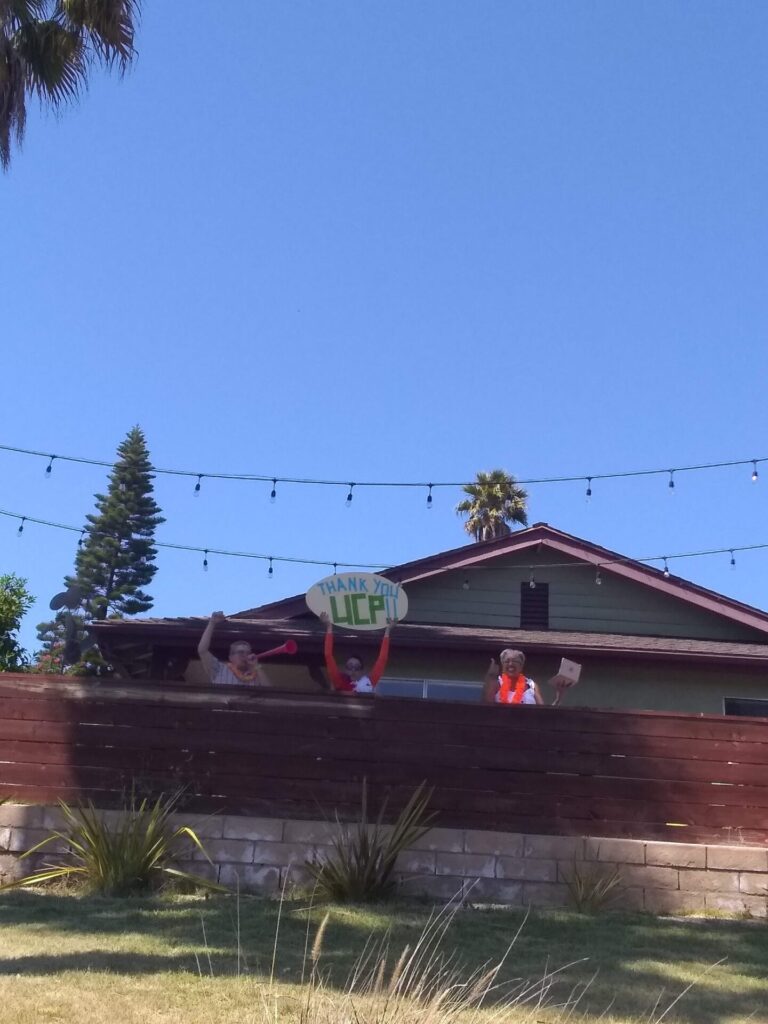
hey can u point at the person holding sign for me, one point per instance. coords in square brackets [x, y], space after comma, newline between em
[242, 668]
[510, 686]
[355, 679]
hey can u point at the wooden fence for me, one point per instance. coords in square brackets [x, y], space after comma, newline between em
[536, 770]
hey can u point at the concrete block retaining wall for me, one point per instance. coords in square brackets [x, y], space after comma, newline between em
[266, 854]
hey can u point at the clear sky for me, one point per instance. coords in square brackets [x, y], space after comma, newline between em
[406, 239]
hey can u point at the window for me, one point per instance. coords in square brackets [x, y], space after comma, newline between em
[534, 606]
[745, 706]
[470, 691]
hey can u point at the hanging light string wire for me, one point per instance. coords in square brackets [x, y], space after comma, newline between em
[274, 480]
[335, 564]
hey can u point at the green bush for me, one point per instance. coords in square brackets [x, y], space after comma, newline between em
[592, 887]
[360, 868]
[132, 856]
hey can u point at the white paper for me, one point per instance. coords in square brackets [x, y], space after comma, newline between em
[570, 670]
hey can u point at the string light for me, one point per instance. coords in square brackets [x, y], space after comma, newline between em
[205, 560]
[335, 569]
[386, 567]
[671, 484]
[666, 570]
[21, 526]
[598, 577]
[733, 560]
[271, 571]
[624, 474]
[532, 581]
[589, 488]
[81, 539]
[198, 485]
[429, 498]
[350, 496]
[754, 471]
[273, 492]
[49, 468]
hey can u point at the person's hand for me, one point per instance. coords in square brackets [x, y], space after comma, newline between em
[253, 660]
[217, 616]
[326, 621]
[494, 668]
[390, 624]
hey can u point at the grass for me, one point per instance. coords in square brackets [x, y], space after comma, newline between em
[110, 961]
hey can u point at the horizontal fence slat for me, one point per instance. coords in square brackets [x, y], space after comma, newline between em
[558, 771]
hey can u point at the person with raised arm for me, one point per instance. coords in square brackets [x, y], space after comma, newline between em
[506, 684]
[241, 669]
[355, 679]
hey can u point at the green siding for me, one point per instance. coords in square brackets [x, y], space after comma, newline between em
[576, 602]
[605, 683]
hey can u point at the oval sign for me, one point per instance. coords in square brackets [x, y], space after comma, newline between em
[358, 600]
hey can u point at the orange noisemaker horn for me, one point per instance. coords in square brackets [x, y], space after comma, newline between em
[289, 647]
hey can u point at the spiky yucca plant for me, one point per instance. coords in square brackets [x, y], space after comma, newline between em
[592, 887]
[132, 856]
[361, 867]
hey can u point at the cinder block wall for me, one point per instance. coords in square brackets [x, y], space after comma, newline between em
[265, 855]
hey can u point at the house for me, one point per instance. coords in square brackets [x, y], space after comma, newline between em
[646, 639]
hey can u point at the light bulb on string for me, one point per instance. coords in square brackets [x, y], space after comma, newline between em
[429, 498]
[666, 570]
[588, 495]
[196, 492]
[81, 538]
[671, 484]
[532, 581]
[335, 569]
[270, 571]
[20, 530]
[49, 468]
[205, 560]
[733, 561]
[754, 471]
[273, 492]
[598, 577]
[348, 503]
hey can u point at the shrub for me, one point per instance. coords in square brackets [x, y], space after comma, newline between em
[592, 887]
[361, 866]
[133, 855]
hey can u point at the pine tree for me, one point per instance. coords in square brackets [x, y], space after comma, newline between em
[115, 560]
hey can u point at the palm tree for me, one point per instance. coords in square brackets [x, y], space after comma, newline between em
[494, 501]
[47, 47]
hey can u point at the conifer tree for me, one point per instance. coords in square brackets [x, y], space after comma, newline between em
[115, 560]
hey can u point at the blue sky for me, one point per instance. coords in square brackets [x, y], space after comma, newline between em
[396, 240]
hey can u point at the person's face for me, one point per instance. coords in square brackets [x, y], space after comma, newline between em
[354, 668]
[239, 655]
[512, 666]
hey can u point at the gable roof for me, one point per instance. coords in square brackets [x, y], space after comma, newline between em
[543, 536]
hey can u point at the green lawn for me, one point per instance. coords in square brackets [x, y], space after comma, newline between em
[109, 961]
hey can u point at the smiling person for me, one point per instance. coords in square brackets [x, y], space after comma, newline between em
[242, 668]
[509, 685]
[354, 679]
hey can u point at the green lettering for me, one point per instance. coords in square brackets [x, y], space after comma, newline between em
[375, 605]
[336, 616]
[355, 600]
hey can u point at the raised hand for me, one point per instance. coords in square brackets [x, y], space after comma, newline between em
[494, 668]
[217, 616]
[326, 620]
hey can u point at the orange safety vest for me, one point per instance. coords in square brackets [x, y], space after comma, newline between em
[512, 689]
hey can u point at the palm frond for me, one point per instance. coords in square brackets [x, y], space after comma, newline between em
[109, 24]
